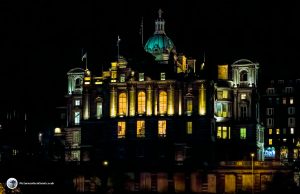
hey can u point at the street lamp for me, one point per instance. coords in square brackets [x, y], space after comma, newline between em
[252, 156]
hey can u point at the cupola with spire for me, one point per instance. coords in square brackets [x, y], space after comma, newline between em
[160, 45]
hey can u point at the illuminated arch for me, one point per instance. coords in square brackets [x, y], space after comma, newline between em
[162, 102]
[122, 103]
[141, 102]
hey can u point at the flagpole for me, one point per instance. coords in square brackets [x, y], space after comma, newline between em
[118, 47]
[86, 62]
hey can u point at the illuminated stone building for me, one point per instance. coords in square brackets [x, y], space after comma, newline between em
[166, 127]
[280, 111]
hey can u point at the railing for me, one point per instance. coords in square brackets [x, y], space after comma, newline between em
[248, 163]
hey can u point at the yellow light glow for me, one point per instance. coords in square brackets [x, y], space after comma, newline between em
[57, 130]
[98, 82]
[202, 99]
[223, 72]
[105, 163]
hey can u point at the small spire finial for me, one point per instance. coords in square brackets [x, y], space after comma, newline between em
[159, 13]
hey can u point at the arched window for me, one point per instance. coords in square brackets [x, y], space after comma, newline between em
[243, 76]
[78, 83]
[122, 103]
[162, 102]
[141, 102]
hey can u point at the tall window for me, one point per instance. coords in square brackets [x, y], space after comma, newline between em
[189, 127]
[291, 100]
[225, 94]
[78, 83]
[141, 102]
[243, 96]
[270, 122]
[98, 109]
[291, 122]
[270, 131]
[291, 110]
[243, 133]
[292, 130]
[277, 131]
[189, 106]
[243, 76]
[76, 137]
[270, 111]
[284, 100]
[121, 129]
[77, 102]
[222, 109]
[270, 141]
[77, 118]
[243, 111]
[140, 128]
[223, 132]
[162, 102]
[122, 103]
[162, 127]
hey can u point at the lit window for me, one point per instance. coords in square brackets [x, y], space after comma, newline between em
[113, 74]
[292, 130]
[121, 129]
[141, 77]
[99, 110]
[14, 152]
[189, 106]
[57, 130]
[163, 102]
[189, 127]
[225, 94]
[76, 137]
[270, 131]
[77, 118]
[270, 141]
[283, 100]
[75, 155]
[243, 133]
[222, 109]
[162, 127]
[222, 133]
[140, 128]
[122, 78]
[162, 76]
[243, 96]
[122, 103]
[77, 102]
[284, 140]
[141, 102]
[277, 131]
[291, 100]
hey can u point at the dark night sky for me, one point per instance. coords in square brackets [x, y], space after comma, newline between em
[42, 40]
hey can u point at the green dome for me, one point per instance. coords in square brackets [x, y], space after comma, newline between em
[159, 43]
